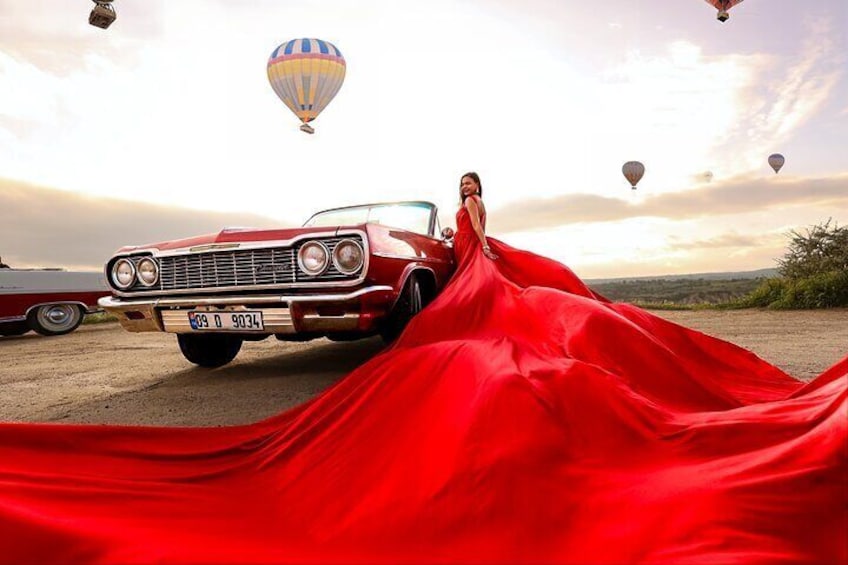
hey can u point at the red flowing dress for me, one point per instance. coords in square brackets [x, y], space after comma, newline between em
[520, 418]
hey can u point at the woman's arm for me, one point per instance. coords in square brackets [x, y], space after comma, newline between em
[474, 215]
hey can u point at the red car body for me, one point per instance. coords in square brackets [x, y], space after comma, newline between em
[48, 301]
[216, 291]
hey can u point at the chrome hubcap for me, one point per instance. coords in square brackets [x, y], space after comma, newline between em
[57, 317]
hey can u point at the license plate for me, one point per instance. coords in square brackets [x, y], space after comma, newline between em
[239, 321]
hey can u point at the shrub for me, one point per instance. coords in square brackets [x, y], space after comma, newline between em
[814, 272]
[823, 249]
[823, 290]
[769, 292]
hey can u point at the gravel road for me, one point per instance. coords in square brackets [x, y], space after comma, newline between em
[102, 374]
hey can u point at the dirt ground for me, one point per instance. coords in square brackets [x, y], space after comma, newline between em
[102, 374]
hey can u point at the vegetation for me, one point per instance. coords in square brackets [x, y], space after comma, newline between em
[99, 318]
[813, 273]
[678, 293]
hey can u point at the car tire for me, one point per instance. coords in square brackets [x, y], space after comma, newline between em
[346, 336]
[14, 328]
[209, 351]
[55, 319]
[409, 303]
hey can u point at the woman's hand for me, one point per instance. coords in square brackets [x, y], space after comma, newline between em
[488, 253]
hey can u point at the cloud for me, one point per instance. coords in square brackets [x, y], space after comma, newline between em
[788, 92]
[808, 83]
[710, 260]
[730, 240]
[55, 36]
[717, 199]
[42, 227]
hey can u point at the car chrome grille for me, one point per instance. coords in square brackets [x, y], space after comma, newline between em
[227, 268]
[240, 268]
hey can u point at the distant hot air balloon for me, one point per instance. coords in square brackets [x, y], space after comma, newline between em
[776, 161]
[723, 6]
[306, 74]
[708, 176]
[633, 171]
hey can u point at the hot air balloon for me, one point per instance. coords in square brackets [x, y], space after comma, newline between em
[306, 74]
[776, 161]
[633, 171]
[723, 6]
[708, 176]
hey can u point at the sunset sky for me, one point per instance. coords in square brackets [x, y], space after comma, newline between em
[165, 125]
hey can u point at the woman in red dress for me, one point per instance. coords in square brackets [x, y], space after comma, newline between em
[473, 212]
[520, 418]
[520, 267]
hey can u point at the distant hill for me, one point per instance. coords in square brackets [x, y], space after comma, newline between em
[689, 289]
[729, 275]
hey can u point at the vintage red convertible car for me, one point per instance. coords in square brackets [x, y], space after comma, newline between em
[347, 273]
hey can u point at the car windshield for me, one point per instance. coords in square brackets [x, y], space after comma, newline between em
[411, 216]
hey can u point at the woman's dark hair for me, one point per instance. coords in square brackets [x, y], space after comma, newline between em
[476, 178]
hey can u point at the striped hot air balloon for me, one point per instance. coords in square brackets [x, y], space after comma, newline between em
[306, 74]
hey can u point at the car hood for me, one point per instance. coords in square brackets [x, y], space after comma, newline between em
[238, 235]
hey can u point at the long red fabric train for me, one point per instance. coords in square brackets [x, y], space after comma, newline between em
[520, 418]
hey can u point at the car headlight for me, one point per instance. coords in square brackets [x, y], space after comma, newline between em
[148, 271]
[313, 258]
[348, 256]
[123, 273]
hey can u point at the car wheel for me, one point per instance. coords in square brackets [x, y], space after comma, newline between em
[55, 319]
[409, 303]
[14, 328]
[209, 351]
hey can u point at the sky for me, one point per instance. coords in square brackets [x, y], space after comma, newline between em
[165, 125]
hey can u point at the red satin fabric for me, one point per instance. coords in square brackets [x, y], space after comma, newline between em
[520, 419]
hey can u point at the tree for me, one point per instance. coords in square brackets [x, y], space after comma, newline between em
[814, 271]
[822, 249]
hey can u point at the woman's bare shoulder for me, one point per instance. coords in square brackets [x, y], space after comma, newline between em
[478, 200]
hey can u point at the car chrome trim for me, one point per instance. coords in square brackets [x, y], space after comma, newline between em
[276, 244]
[345, 316]
[240, 246]
[213, 247]
[12, 319]
[109, 302]
[317, 323]
[409, 257]
[161, 314]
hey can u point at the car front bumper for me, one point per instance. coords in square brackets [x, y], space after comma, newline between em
[356, 311]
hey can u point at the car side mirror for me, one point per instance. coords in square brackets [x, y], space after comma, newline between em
[447, 234]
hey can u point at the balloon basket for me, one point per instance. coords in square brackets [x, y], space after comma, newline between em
[306, 128]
